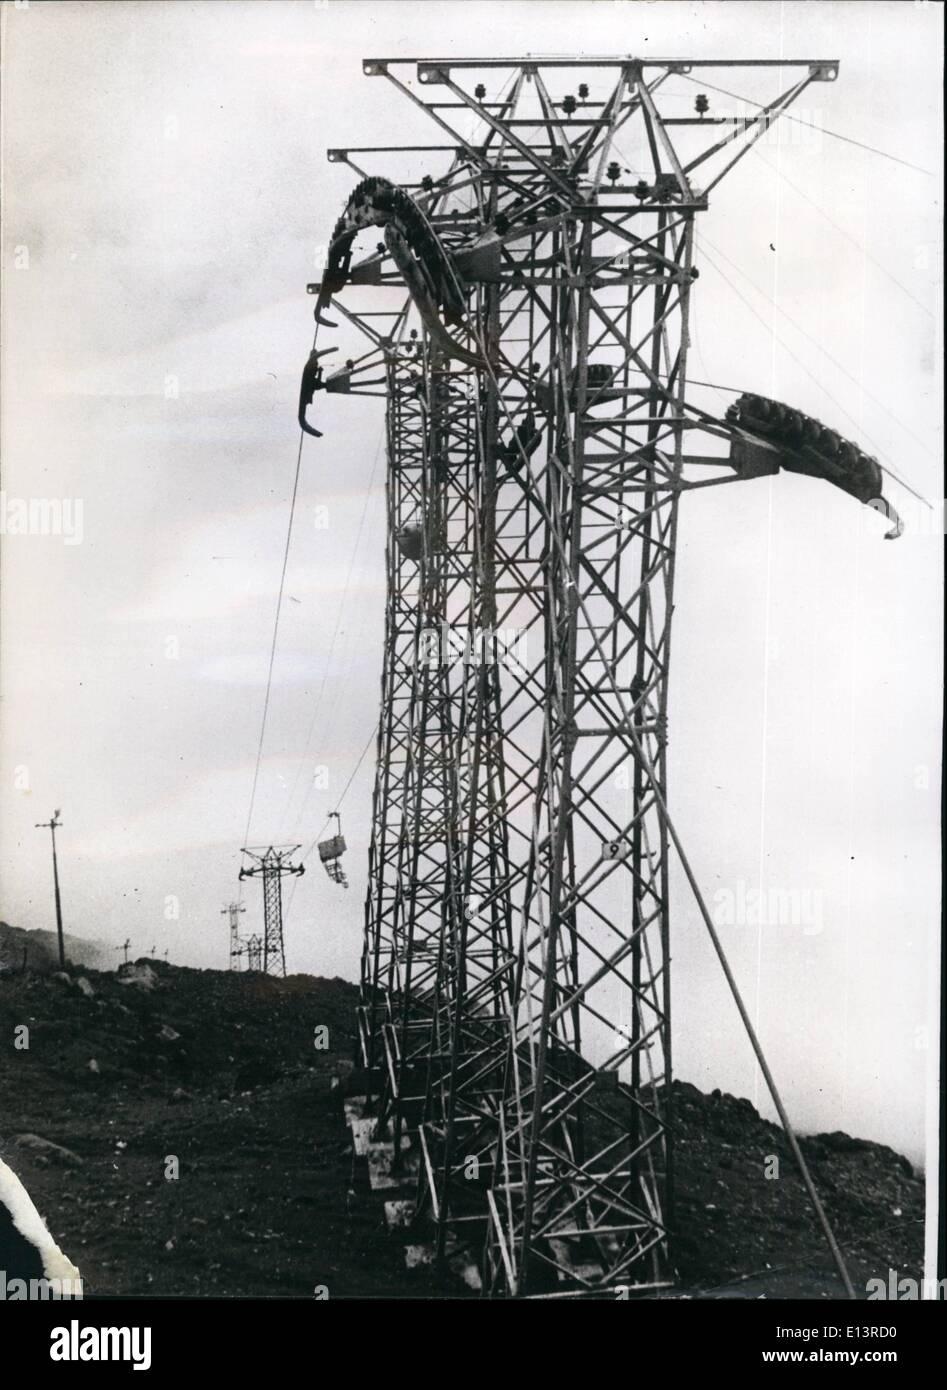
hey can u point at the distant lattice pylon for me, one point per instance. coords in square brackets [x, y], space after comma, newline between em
[232, 911]
[272, 865]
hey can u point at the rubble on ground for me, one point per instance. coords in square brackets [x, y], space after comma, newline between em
[218, 1071]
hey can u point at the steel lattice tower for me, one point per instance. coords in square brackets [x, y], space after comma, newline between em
[232, 911]
[272, 865]
[515, 995]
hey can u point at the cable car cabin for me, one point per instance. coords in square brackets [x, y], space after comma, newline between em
[801, 444]
[330, 852]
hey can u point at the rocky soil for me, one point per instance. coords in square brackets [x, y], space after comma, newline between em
[180, 1131]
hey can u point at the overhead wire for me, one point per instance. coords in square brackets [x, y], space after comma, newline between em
[292, 893]
[799, 120]
[338, 623]
[272, 660]
[889, 468]
[755, 150]
[886, 468]
[815, 342]
[361, 758]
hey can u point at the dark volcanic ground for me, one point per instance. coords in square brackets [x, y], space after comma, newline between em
[220, 1072]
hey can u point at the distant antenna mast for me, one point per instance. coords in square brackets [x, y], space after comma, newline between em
[52, 825]
[271, 866]
[233, 910]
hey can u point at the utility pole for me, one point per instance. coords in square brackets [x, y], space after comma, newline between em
[124, 947]
[254, 952]
[232, 910]
[271, 865]
[52, 826]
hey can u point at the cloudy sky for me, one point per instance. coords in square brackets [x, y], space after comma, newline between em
[166, 196]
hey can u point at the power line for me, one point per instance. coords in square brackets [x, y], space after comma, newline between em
[799, 362]
[338, 623]
[279, 605]
[754, 149]
[361, 758]
[371, 739]
[889, 469]
[815, 342]
[798, 120]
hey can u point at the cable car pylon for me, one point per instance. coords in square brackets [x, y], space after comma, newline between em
[515, 1013]
[272, 865]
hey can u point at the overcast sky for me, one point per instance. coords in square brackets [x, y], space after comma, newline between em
[166, 191]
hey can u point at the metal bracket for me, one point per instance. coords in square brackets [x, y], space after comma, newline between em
[310, 384]
[432, 74]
